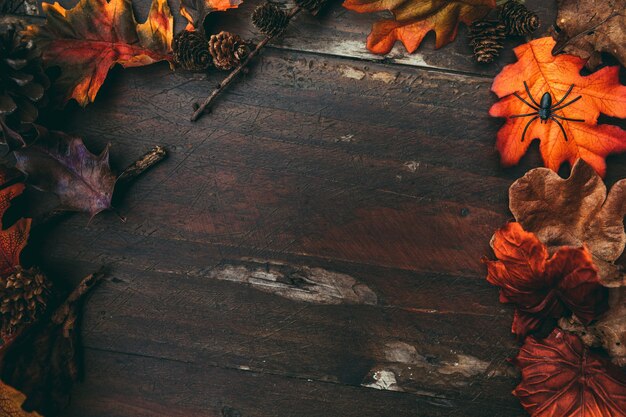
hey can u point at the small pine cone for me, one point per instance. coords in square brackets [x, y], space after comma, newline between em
[312, 6]
[227, 50]
[191, 51]
[486, 38]
[23, 298]
[270, 19]
[23, 82]
[518, 19]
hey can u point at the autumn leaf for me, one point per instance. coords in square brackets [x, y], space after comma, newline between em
[575, 211]
[609, 331]
[195, 11]
[589, 27]
[11, 401]
[93, 36]
[13, 238]
[600, 92]
[560, 377]
[61, 164]
[542, 286]
[415, 18]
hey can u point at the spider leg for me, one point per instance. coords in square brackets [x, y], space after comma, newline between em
[555, 108]
[561, 126]
[565, 96]
[525, 102]
[569, 119]
[528, 125]
[530, 95]
[522, 115]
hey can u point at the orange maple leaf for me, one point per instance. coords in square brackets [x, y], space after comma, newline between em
[93, 36]
[600, 92]
[11, 401]
[14, 238]
[415, 18]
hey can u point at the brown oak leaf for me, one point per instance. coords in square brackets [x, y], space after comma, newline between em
[12, 238]
[415, 18]
[574, 211]
[561, 377]
[90, 38]
[11, 401]
[543, 286]
[590, 27]
[61, 164]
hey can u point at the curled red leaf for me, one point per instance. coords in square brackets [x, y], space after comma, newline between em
[543, 286]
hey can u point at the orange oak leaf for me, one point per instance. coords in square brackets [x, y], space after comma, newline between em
[195, 11]
[600, 92]
[415, 18]
[14, 238]
[561, 377]
[11, 401]
[543, 286]
[93, 36]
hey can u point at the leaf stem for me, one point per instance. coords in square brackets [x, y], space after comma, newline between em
[201, 109]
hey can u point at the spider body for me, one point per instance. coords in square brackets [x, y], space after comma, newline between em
[545, 110]
[545, 104]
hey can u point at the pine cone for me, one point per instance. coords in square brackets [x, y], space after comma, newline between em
[518, 19]
[23, 297]
[486, 38]
[270, 19]
[191, 51]
[23, 82]
[312, 6]
[227, 50]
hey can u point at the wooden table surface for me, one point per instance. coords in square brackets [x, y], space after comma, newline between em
[312, 247]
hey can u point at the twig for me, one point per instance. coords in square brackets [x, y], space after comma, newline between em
[201, 109]
[133, 171]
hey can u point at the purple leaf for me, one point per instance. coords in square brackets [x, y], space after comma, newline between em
[61, 164]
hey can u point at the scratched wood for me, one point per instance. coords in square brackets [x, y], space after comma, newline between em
[311, 248]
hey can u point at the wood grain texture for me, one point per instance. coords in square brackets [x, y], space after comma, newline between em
[311, 248]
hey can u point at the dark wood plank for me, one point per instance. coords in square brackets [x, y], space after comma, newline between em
[312, 247]
[124, 385]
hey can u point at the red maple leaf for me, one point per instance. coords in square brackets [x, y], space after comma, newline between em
[561, 377]
[542, 286]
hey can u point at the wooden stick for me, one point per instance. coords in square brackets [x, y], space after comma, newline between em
[201, 109]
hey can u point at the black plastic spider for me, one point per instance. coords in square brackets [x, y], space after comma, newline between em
[545, 110]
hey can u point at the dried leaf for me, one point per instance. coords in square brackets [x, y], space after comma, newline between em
[415, 18]
[560, 377]
[609, 331]
[93, 36]
[590, 27]
[195, 11]
[11, 401]
[574, 211]
[45, 364]
[601, 92]
[542, 286]
[63, 165]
